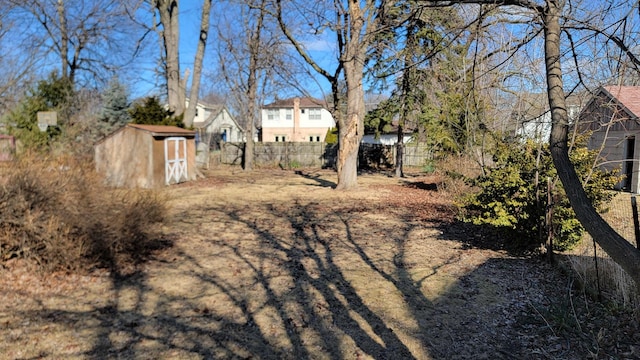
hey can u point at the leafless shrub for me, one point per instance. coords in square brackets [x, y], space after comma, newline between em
[455, 170]
[57, 214]
[606, 279]
[596, 272]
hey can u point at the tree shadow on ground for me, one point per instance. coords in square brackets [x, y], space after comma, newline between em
[298, 281]
[488, 237]
[317, 178]
[471, 235]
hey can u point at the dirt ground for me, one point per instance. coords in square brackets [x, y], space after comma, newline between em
[276, 264]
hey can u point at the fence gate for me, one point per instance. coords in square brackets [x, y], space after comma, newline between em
[175, 160]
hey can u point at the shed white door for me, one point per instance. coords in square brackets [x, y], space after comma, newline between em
[175, 160]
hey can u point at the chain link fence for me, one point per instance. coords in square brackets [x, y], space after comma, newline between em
[596, 271]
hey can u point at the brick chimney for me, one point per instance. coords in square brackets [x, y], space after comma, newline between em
[296, 119]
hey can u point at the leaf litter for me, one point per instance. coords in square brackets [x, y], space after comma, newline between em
[275, 264]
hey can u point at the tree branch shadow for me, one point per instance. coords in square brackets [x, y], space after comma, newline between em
[289, 287]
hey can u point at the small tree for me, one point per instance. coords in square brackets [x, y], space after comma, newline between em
[115, 107]
[151, 112]
[54, 94]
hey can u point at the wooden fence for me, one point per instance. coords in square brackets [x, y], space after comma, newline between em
[296, 154]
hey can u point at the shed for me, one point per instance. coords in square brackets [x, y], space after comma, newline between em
[613, 118]
[146, 156]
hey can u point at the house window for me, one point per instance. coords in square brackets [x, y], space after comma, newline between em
[315, 114]
[288, 114]
[318, 138]
[280, 138]
[272, 114]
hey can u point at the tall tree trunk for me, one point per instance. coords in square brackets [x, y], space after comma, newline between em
[351, 127]
[190, 112]
[249, 144]
[255, 47]
[619, 249]
[168, 10]
[252, 95]
[64, 39]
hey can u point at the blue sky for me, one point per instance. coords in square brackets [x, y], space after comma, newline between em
[322, 48]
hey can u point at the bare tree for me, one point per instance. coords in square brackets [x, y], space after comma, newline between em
[354, 24]
[255, 64]
[169, 20]
[18, 63]
[190, 112]
[91, 39]
[245, 54]
[176, 84]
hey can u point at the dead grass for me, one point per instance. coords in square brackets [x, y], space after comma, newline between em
[454, 170]
[56, 214]
[600, 276]
[277, 265]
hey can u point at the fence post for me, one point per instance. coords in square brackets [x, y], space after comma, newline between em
[549, 219]
[636, 223]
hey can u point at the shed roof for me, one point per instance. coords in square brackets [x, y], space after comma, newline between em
[163, 130]
[628, 96]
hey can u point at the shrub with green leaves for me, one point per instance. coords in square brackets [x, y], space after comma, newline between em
[53, 94]
[151, 112]
[332, 136]
[512, 194]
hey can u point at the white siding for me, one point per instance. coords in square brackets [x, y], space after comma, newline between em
[385, 139]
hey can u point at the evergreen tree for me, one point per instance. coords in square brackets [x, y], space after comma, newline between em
[53, 94]
[151, 112]
[417, 51]
[115, 107]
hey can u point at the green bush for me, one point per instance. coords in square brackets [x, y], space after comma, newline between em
[53, 94]
[512, 194]
[151, 112]
[429, 167]
[332, 136]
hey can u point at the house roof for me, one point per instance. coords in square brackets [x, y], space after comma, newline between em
[163, 130]
[215, 108]
[208, 105]
[215, 111]
[627, 96]
[529, 106]
[305, 102]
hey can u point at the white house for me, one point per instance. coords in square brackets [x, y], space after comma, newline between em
[533, 118]
[389, 135]
[386, 139]
[214, 124]
[296, 120]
